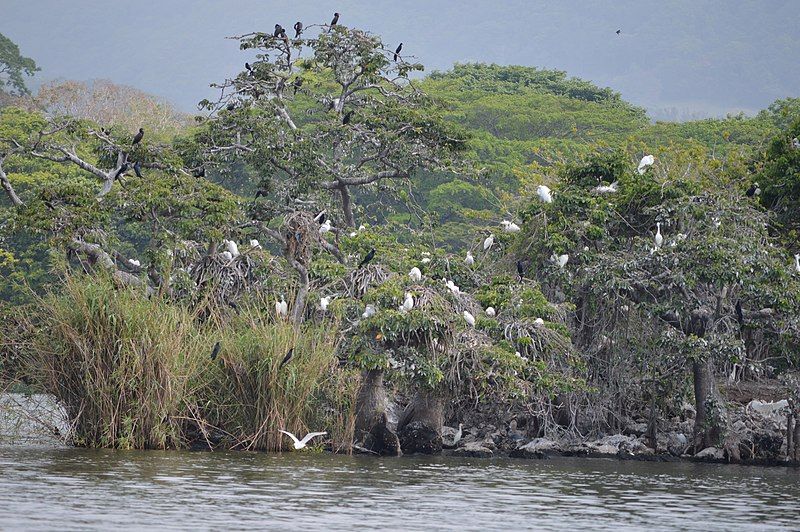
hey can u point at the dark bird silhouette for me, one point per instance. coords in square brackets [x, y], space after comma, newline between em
[298, 82]
[347, 117]
[619, 32]
[754, 190]
[397, 51]
[739, 313]
[298, 29]
[366, 260]
[231, 106]
[122, 170]
[278, 30]
[199, 172]
[139, 136]
[335, 20]
[260, 193]
[215, 351]
[321, 217]
[137, 167]
[520, 269]
[287, 358]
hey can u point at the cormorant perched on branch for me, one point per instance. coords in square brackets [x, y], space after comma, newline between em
[366, 260]
[347, 117]
[215, 351]
[754, 190]
[138, 138]
[298, 82]
[287, 358]
[137, 167]
[122, 170]
[520, 269]
[298, 29]
[278, 30]
[335, 19]
[397, 51]
[199, 172]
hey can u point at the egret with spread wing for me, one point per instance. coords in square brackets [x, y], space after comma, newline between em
[299, 444]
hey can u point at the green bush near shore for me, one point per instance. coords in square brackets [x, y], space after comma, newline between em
[136, 373]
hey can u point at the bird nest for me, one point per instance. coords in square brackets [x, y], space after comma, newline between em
[535, 340]
[223, 280]
[301, 233]
[360, 280]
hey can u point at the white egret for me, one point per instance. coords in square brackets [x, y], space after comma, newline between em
[544, 193]
[646, 161]
[254, 244]
[415, 274]
[324, 302]
[408, 303]
[325, 227]
[796, 143]
[659, 239]
[458, 434]
[797, 263]
[368, 312]
[453, 287]
[299, 444]
[488, 242]
[232, 248]
[607, 189]
[282, 308]
[136, 262]
[352, 234]
[425, 260]
[538, 322]
[226, 255]
[560, 260]
[362, 227]
[490, 312]
[470, 260]
[510, 227]
[470, 318]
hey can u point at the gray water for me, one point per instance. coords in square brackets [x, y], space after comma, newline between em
[80, 489]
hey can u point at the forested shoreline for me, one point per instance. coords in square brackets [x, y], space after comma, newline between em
[491, 259]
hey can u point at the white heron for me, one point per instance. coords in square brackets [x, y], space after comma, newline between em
[659, 239]
[254, 244]
[796, 143]
[324, 302]
[282, 308]
[560, 260]
[646, 161]
[607, 189]
[797, 263]
[458, 434]
[510, 227]
[232, 248]
[544, 193]
[299, 444]
[488, 242]
[415, 274]
[452, 286]
[136, 262]
[425, 260]
[362, 227]
[490, 312]
[368, 312]
[408, 303]
[325, 227]
[470, 260]
[538, 322]
[469, 318]
[226, 255]
[352, 234]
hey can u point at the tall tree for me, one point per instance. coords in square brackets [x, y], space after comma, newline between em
[13, 66]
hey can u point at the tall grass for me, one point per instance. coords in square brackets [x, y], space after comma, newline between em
[134, 372]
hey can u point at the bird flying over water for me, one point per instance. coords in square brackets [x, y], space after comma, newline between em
[138, 137]
[366, 260]
[397, 51]
[299, 444]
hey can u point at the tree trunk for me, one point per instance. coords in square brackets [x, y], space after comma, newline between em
[12, 195]
[302, 294]
[420, 426]
[347, 206]
[708, 403]
[372, 424]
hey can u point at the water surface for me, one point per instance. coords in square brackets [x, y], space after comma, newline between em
[44, 488]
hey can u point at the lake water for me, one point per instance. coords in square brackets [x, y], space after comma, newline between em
[45, 488]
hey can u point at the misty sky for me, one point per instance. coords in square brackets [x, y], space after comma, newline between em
[702, 57]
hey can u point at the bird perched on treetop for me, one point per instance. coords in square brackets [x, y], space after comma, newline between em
[335, 19]
[367, 259]
[397, 50]
[298, 29]
[138, 138]
[278, 30]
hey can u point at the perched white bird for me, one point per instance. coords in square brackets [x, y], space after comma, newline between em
[544, 193]
[226, 255]
[254, 244]
[425, 260]
[560, 260]
[415, 274]
[135, 262]
[324, 302]
[362, 227]
[490, 312]
[510, 227]
[646, 161]
[797, 263]
[470, 260]
[232, 248]
[452, 286]
[368, 312]
[470, 318]
[538, 322]
[607, 189]
[299, 444]
[796, 143]
[659, 239]
[282, 308]
[325, 227]
[488, 242]
[352, 234]
[408, 303]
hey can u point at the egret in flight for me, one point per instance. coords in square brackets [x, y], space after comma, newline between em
[299, 444]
